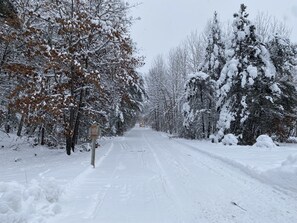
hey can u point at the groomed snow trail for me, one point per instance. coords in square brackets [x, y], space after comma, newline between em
[145, 177]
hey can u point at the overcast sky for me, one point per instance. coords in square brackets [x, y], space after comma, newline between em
[165, 24]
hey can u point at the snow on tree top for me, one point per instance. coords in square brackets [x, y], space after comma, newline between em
[198, 75]
[275, 89]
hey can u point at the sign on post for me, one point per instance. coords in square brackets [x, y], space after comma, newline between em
[94, 133]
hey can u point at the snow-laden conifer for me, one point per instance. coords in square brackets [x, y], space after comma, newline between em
[199, 109]
[249, 90]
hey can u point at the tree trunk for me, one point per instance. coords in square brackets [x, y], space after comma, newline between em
[202, 115]
[75, 132]
[69, 130]
[20, 127]
[210, 119]
[68, 145]
[7, 122]
[77, 121]
[42, 142]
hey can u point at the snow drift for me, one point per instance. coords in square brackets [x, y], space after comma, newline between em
[230, 140]
[285, 175]
[264, 141]
[30, 203]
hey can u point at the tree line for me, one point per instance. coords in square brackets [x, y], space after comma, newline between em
[65, 64]
[239, 79]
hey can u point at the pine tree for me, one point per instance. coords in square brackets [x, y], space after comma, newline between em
[284, 57]
[215, 51]
[200, 108]
[248, 87]
[197, 110]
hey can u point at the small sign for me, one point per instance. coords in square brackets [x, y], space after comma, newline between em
[94, 131]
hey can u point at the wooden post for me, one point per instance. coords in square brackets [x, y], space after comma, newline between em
[94, 133]
[93, 152]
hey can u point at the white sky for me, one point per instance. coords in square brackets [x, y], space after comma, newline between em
[165, 24]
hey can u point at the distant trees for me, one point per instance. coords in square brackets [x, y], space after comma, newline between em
[69, 57]
[165, 91]
[244, 83]
[158, 94]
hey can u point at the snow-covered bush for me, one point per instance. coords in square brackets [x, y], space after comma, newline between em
[230, 140]
[29, 204]
[265, 141]
[292, 140]
[214, 138]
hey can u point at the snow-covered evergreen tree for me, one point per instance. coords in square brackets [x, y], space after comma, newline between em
[200, 108]
[215, 51]
[284, 57]
[248, 89]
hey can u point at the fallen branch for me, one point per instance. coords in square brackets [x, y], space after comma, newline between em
[235, 204]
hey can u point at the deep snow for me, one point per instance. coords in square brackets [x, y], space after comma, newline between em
[147, 176]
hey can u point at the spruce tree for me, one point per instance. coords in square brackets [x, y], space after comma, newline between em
[215, 51]
[284, 57]
[200, 109]
[248, 88]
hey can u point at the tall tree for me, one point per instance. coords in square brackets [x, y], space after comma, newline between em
[284, 57]
[70, 50]
[200, 108]
[248, 87]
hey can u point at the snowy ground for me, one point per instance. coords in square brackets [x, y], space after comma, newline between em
[146, 176]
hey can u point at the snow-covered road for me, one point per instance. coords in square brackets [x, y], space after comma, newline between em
[145, 177]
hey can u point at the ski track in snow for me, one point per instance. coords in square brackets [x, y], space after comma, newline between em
[145, 177]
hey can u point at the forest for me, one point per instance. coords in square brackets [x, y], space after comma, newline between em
[237, 79]
[65, 65]
[206, 133]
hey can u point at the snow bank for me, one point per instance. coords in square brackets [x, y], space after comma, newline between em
[264, 141]
[29, 203]
[274, 167]
[229, 140]
[284, 175]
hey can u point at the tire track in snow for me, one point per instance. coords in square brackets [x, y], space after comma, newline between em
[177, 159]
[240, 167]
[185, 179]
[97, 207]
[167, 185]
